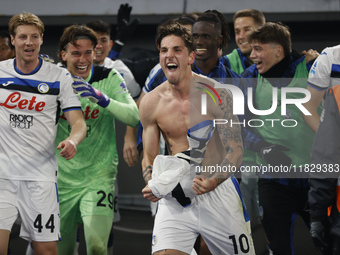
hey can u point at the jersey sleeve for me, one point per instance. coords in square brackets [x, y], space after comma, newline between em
[67, 98]
[320, 73]
[122, 105]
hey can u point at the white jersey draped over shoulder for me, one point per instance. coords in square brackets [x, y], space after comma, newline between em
[29, 110]
[325, 72]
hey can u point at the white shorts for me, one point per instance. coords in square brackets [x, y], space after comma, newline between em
[218, 216]
[36, 203]
[153, 208]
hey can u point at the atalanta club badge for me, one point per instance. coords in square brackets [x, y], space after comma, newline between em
[43, 88]
[154, 240]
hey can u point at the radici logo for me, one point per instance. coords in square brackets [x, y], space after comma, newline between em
[21, 121]
[239, 105]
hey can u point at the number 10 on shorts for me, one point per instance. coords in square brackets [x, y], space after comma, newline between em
[242, 243]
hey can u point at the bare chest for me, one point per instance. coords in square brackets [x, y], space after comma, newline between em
[173, 118]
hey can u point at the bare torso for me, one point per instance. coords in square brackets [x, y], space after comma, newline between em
[172, 115]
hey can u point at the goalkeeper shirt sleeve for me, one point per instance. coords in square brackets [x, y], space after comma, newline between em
[124, 109]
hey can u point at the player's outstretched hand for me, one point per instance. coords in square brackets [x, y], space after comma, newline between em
[123, 16]
[124, 28]
[69, 149]
[85, 90]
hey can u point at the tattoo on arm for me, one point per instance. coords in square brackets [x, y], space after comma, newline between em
[147, 172]
[220, 179]
[240, 157]
[222, 176]
[229, 132]
[235, 131]
[230, 135]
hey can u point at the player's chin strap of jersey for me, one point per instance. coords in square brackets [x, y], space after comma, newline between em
[178, 192]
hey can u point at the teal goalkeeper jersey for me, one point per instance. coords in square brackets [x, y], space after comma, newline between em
[96, 159]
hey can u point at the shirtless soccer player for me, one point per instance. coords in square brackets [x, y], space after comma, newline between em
[191, 204]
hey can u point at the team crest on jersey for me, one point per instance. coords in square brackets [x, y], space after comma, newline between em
[43, 88]
[154, 240]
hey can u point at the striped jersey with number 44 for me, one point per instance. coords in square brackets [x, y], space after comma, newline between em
[29, 113]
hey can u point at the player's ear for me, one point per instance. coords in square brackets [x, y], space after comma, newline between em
[111, 44]
[12, 40]
[219, 40]
[63, 55]
[191, 57]
[279, 51]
